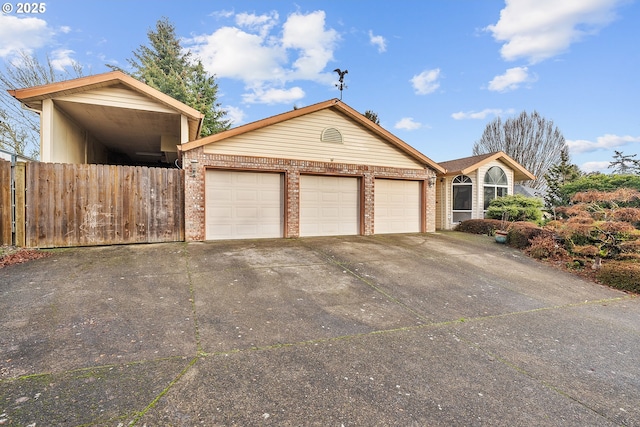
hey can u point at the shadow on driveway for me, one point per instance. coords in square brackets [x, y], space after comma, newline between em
[414, 329]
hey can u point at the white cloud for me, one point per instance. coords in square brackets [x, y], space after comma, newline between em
[426, 82]
[266, 59]
[378, 41]
[595, 167]
[65, 29]
[606, 142]
[222, 14]
[540, 29]
[22, 34]
[407, 123]
[233, 53]
[315, 44]
[235, 115]
[462, 115]
[273, 96]
[511, 79]
[61, 58]
[262, 24]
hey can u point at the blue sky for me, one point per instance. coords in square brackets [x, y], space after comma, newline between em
[435, 72]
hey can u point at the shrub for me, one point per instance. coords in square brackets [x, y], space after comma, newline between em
[623, 196]
[588, 251]
[630, 246]
[601, 182]
[630, 215]
[517, 207]
[479, 226]
[622, 229]
[545, 247]
[521, 233]
[621, 275]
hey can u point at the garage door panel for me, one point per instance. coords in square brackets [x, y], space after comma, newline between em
[329, 205]
[242, 205]
[397, 206]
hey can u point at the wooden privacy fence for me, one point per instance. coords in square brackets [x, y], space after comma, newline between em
[5, 202]
[82, 205]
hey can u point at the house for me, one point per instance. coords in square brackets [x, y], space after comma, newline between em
[109, 118]
[316, 171]
[321, 170]
[469, 184]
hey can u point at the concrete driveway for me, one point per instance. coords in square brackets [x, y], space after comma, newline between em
[407, 330]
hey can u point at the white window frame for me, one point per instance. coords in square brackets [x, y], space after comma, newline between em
[500, 186]
[458, 215]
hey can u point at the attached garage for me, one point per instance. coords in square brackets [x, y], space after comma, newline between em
[397, 206]
[329, 205]
[320, 170]
[243, 205]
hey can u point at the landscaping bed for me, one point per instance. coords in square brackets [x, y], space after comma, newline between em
[593, 250]
[10, 255]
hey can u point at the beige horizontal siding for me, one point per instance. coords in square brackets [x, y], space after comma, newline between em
[118, 97]
[299, 138]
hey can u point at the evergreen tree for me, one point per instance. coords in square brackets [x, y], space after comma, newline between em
[558, 175]
[624, 164]
[166, 66]
[369, 114]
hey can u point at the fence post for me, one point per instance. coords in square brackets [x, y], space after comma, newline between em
[20, 204]
[6, 204]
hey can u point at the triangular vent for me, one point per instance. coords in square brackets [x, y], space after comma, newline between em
[331, 135]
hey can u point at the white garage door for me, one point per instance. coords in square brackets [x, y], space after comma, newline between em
[243, 205]
[397, 206]
[329, 206]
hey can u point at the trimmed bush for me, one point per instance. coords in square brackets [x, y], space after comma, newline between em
[479, 226]
[545, 247]
[588, 251]
[517, 207]
[521, 233]
[630, 215]
[621, 275]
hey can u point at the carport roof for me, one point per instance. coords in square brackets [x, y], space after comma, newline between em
[335, 104]
[467, 165]
[32, 97]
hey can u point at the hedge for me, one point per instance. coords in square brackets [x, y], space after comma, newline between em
[480, 226]
[621, 275]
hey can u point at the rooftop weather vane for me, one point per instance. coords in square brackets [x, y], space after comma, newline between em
[341, 80]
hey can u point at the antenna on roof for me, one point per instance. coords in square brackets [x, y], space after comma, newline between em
[341, 80]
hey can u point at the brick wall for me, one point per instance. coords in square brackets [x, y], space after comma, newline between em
[196, 162]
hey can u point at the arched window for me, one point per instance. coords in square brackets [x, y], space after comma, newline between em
[495, 185]
[462, 198]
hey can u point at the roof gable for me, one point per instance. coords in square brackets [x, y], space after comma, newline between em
[466, 165]
[334, 105]
[33, 96]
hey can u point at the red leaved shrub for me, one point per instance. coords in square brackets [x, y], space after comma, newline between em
[479, 226]
[545, 247]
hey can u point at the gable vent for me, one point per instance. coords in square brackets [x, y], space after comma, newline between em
[331, 135]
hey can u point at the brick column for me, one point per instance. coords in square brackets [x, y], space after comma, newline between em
[368, 200]
[292, 217]
[194, 215]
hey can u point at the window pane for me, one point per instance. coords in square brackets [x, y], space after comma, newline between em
[489, 195]
[495, 175]
[462, 197]
[502, 191]
[461, 216]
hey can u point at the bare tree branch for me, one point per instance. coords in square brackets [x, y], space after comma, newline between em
[19, 127]
[529, 139]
